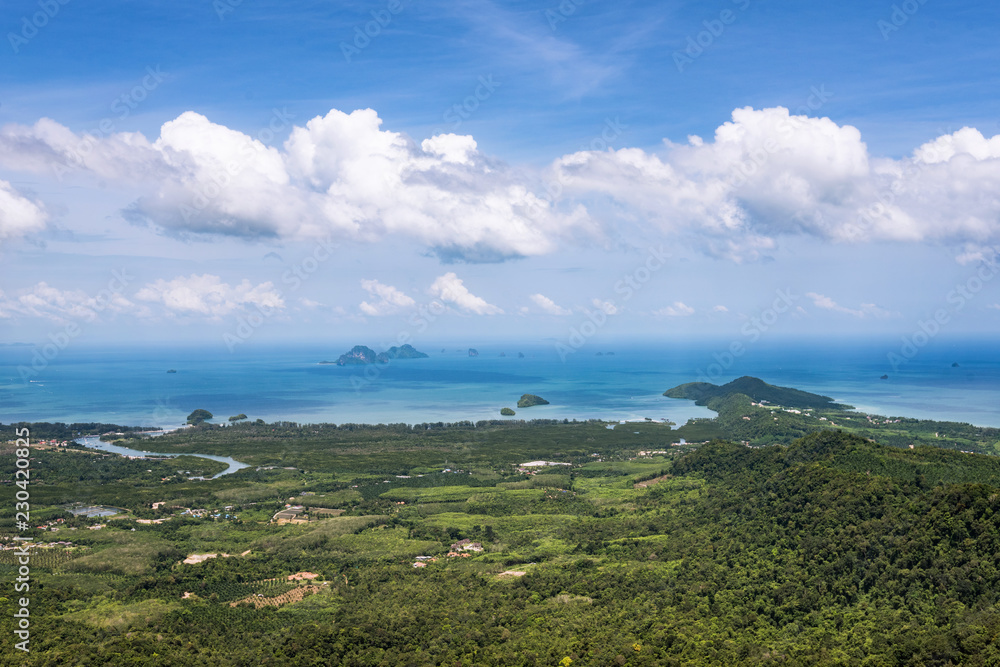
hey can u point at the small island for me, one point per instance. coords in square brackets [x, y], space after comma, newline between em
[884, 377]
[198, 416]
[172, 371]
[507, 412]
[954, 365]
[361, 354]
[528, 400]
[473, 352]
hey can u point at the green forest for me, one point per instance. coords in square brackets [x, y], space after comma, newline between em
[779, 539]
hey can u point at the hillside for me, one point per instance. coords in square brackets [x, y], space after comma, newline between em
[833, 550]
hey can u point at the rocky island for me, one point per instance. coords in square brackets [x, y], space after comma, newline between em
[361, 354]
[528, 400]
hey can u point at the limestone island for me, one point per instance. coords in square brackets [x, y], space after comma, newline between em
[528, 400]
[507, 412]
[361, 354]
[473, 352]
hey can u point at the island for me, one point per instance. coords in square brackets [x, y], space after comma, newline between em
[172, 371]
[198, 416]
[361, 354]
[520, 355]
[754, 388]
[954, 365]
[884, 377]
[473, 352]
[507, 412]
[528, 400]
[403, 352]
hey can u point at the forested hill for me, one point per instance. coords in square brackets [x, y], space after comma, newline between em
[758, 390]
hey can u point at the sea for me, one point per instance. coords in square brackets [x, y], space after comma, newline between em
[956, 380]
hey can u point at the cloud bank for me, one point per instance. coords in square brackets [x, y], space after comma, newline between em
[765, 175]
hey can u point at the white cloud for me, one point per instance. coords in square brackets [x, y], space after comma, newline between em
[769, 174]
[63, 306]
[607, 306]
[678, 309]
[18, 214]
[450, 289]
[549, 306]
[764, 175]
[389, 299]
[208, 295]
[339, 176]
[866, 309]
[720, 309]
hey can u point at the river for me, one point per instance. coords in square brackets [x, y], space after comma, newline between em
[94, 442]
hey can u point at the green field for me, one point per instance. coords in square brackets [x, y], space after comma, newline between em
[842, 547]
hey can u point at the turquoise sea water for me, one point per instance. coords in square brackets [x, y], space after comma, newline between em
[131, 386]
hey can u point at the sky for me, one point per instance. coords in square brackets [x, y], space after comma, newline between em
[236, 172]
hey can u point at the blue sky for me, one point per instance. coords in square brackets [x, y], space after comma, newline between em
[188, 171]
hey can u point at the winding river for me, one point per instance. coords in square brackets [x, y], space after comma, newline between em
[94, 442]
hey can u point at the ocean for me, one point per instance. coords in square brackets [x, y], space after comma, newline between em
[955, 380]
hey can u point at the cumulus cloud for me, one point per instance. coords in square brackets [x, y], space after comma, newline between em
[450, 289]
[678, 309]
[720, 309]
[18, 214]
[766, 174]
[387, 299]
[339, 175]
[208, 295]
[866, 309]
[64, 306]
[548, 305]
